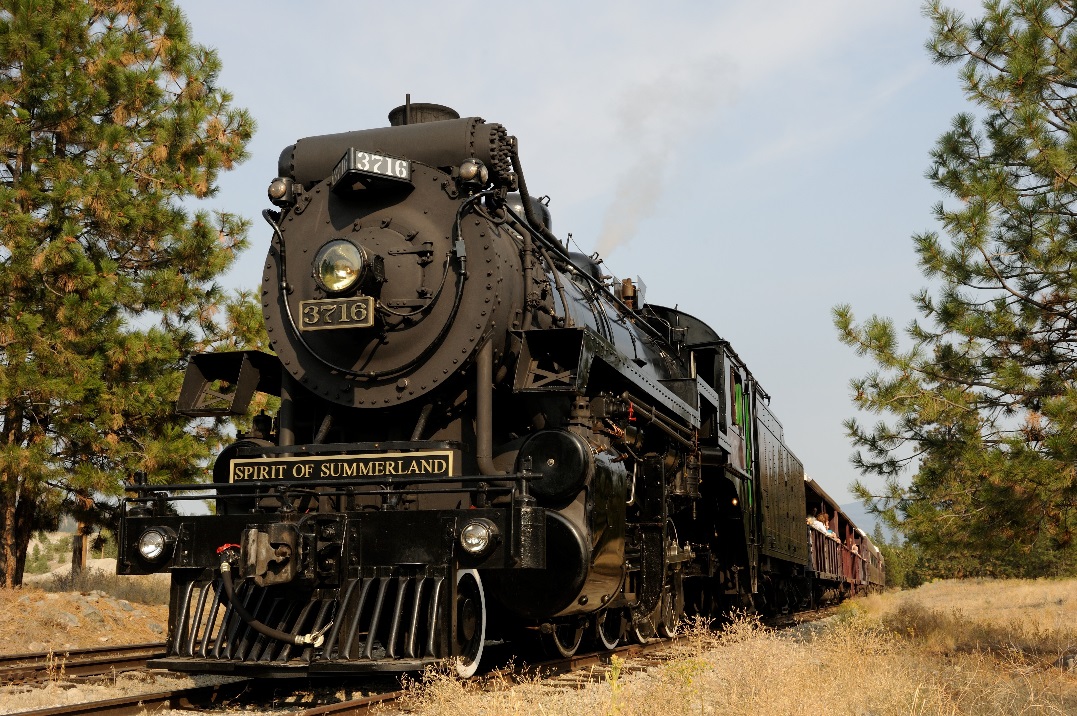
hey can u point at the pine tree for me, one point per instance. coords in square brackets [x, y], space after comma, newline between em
[111, 120]
[901, 560]
[983, 402]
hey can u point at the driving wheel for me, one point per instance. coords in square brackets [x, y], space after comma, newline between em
[470, 622]
[671, 609]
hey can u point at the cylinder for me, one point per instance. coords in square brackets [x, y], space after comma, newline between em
[564, 462]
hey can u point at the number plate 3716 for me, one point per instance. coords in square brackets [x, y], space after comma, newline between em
[336, 313]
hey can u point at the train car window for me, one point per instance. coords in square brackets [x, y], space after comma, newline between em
[738, 397]
[746, 423]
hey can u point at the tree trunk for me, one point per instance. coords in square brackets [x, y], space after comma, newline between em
[81, 540]
[13, 435]
[25, 519]
[8, 492]
[78, 549]
[7, 539]
[3, 525]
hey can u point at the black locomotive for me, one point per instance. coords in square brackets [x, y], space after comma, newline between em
[480, 436]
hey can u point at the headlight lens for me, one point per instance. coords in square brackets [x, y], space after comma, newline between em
[477, 536]
[154, 544]
[338, 265]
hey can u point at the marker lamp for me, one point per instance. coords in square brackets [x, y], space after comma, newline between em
[478, 536]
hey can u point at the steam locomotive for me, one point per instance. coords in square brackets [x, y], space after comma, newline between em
[480, 436]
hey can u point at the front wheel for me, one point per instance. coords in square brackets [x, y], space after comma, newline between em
[470, 622]
[564, 639]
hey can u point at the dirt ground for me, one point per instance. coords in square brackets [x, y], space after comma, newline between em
[35, 620]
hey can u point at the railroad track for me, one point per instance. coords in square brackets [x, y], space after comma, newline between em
[197, 697]
[22, 668]
[238, 690]
[547, 669]
[222, 694]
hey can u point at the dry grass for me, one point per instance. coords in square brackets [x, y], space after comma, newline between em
[1021, 617]
[143, 589]
[947, 648]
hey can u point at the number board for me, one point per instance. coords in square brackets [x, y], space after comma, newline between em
[323, 314]
[356, 161]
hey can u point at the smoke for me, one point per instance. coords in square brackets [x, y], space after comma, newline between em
[655, 122]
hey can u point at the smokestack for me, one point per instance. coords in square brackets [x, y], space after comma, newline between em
[419, 112]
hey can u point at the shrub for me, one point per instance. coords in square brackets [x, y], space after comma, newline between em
[37, 562]
[147, 589]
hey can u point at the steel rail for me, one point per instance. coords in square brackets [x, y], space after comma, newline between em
[544, 669]
[18, 668]
[352, 706]
[190, 698]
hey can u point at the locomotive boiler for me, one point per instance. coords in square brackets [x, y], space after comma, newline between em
[480, 435]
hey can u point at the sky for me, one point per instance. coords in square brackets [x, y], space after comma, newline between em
[755, 164]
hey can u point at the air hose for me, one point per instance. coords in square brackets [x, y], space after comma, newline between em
[315, 638]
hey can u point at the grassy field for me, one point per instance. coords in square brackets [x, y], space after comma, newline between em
[968, 647]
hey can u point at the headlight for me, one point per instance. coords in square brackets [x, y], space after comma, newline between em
[338, 266]
[478, 536]
[155, 543]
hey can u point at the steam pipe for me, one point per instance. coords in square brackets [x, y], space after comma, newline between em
[569, 323]
[484, 410]
[528, 231]
[652, 416]
[529, 211]
[323, 429]
[286, 416]
[314, 639]
[424, 415]
[536, 222]
[529, 259]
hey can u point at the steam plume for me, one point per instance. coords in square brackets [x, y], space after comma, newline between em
[656, 121]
